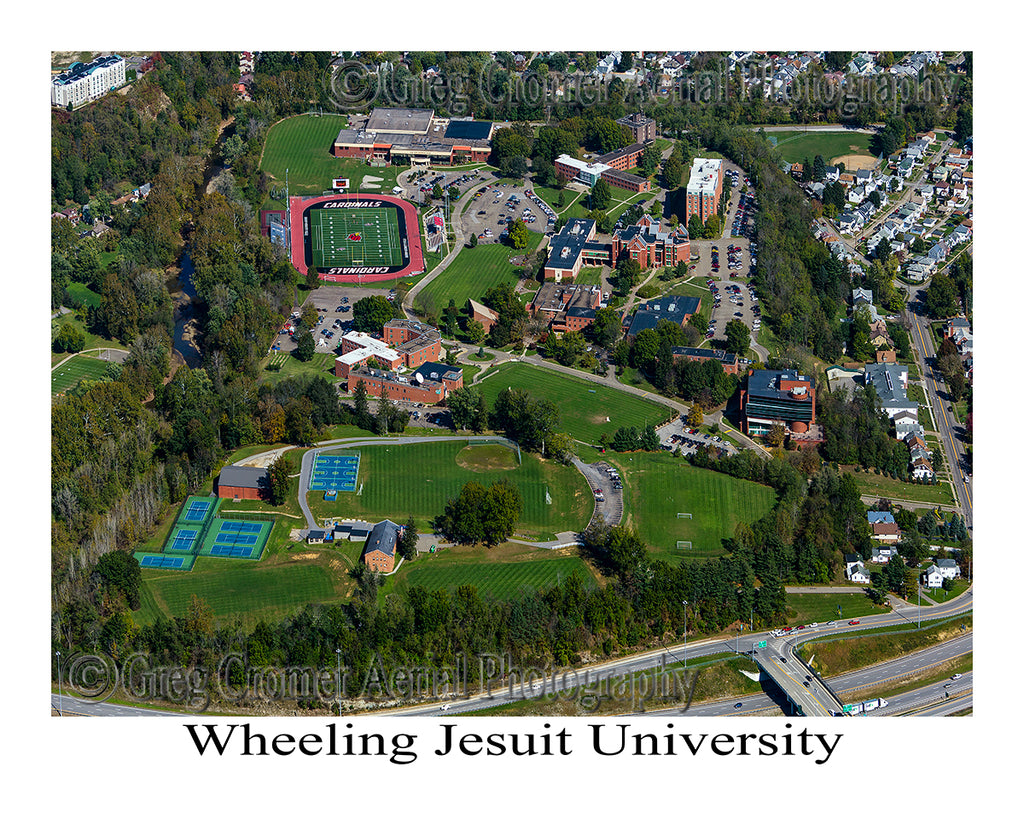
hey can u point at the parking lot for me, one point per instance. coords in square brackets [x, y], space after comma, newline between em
[678, 433]
[334, 306]
[725, 264]
[492, 210]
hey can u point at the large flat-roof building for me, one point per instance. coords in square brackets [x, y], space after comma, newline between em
[777, 397]
[430, 383]
[87, 81]
[727, 360]
[414, 134]
[676, 309]
[567, 307]
[890, 383]
[704, 190]
[571, 248]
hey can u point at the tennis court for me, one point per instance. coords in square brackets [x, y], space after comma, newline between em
[183, 540]
[334, 473]
[150, 561]
[196, 510]
[236, 538]
[345, 238]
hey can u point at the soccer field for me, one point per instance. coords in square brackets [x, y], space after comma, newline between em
[343, 238]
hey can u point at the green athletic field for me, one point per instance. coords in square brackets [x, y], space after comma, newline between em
[418, 479]
[498, 580]
[583, 412]
[365, 237]
[795, 146]
[473, 272]
[658, 487]
[67, 375]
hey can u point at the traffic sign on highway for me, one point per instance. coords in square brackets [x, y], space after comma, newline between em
[762, 644]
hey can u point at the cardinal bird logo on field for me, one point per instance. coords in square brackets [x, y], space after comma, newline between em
[355, 237]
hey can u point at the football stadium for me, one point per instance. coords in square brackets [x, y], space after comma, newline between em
[355, 237]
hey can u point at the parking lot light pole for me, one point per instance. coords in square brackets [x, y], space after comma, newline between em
[337, 689]
[60, 697]
[685, 604]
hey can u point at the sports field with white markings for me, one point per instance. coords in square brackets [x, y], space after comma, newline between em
[352, 238]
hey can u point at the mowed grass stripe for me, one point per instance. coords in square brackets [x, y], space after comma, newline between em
[501, 581]
[238, 590]
[73, 371]
[476, 270]
[583, 413]
[302, 146]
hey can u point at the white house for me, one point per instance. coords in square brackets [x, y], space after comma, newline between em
[856, 573]
[948, 568]
[932, 578]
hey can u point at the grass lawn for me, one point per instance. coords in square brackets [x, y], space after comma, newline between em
[70, 373]
[582, 405]
[302, 145]
[795, 146]
[658, 486]
[499, 573]
[474, 271]
[802, 609]
[883, 487]
[418, 479]
[321, 364]
[81, 294]
[915, 392]
[91, 340]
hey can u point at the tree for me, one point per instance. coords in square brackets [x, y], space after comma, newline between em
[475, 331]
[370, 314]
[600, 195]
[406, 546]
[695, 417]
[305, 347]
[309, 316]
[468, 409]
[122, 574]
[941, 298]
[518, 234]
[473, 240]
[278, 478]
[776, 435]
[695, 227]
[737, 337]
[479, 515]
[69, 339]
[649, 439]
[627, 274]
[312, 278]
[361, 406]
[699, 322]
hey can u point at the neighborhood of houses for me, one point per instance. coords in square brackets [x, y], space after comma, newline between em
[885, 533]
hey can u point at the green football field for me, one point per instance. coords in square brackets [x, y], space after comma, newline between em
[343, 237]
[67, 375]
[659, 488]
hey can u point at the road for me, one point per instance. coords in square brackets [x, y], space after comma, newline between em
[949, 430]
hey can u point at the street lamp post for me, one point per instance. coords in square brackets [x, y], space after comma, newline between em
[60, 697]
[337, 689]
[685, 604]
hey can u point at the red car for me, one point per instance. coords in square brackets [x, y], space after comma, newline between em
[855, 622]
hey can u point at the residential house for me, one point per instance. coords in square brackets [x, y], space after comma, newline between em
[883, 554]
[931, 578]
[949, 569]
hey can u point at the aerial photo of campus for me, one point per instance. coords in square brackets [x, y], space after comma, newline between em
[540, 383]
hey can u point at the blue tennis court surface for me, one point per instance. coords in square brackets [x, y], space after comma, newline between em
[235, 538]
[334, 473]
[197, 511]
[161, 562]
[231, 551]
[240, 526]
[183, 540]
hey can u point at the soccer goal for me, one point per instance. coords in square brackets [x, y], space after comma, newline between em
[687, 515]
[684, 544]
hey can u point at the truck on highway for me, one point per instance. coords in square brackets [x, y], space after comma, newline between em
[859, 708]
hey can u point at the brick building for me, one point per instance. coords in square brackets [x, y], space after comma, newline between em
[405, 344]
[379, 552]
[677, 309]
[478, 312]
[641, 127]
[777, 396]
[566, 307]
[704, 190]
[243, 483]
[430, 383]
[415, 135]
[652, 244]
[571, 248]
[727, 360]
